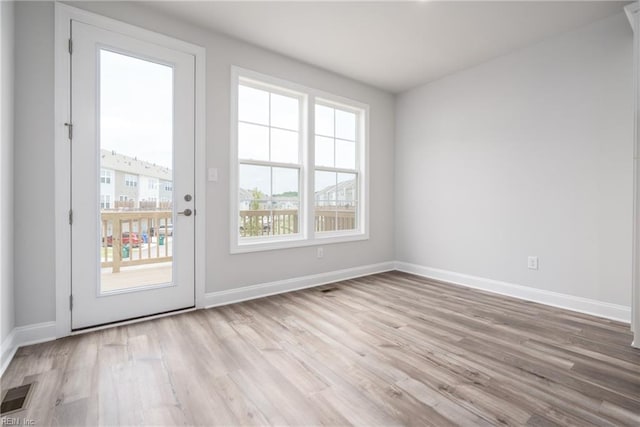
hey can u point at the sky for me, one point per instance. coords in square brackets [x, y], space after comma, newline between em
[136, 108]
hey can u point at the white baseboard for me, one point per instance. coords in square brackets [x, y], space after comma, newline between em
[214, 299]
[583, 305]
[25, 335]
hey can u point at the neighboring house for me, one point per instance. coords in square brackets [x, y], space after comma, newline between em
[344, 193]
[126, 182]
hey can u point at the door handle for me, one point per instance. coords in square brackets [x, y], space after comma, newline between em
[186, 212]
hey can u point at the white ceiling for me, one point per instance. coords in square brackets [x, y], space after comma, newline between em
[392, 45]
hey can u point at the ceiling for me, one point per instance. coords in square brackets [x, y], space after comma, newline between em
[393, 45]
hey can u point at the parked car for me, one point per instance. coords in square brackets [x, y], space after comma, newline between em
[131, 239]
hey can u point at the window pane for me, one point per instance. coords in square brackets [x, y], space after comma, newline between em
[346, 217]
[324, 120]
[253, 105]
[285, 184]
[325, 183]
[284, 146]
[325, 216]
[253, 142]
[346, 206]
[285, 205]
[254, 218]
[284, 112]
[347, 186]
[324, 151]
[285, 217]
[345, 154]
[255, 182]
[136, 127]
[345, 125]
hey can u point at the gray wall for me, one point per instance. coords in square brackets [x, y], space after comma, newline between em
[34, 252]
[7, 16]
[34, 267]
[528, 154]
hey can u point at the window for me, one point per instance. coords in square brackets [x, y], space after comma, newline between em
[105, 201]
[124, 198]
[105, 176]
[152, 184]
[336, 168]
[168, 186]
[291, 187]
[269, 161]
[131, 180]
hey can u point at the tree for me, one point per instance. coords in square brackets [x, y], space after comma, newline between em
[256, 226]
[256, 196]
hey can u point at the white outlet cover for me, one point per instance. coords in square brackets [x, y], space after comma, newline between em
[532, 262]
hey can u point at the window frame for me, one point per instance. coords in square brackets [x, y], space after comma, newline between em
[307, 235]
[105, 201]
[105, 176]
[359, 134]
[130, 180]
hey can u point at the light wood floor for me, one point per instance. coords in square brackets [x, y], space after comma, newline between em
[388, 349]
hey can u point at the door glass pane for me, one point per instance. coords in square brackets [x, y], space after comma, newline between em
[136, 172]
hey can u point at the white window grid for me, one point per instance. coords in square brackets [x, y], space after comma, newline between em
[308, 236]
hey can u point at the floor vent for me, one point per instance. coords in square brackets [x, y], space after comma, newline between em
[16, 399]
[327, 290]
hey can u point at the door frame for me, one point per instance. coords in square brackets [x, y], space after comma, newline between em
[62, 146]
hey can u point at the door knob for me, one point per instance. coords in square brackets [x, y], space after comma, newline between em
[186, 212]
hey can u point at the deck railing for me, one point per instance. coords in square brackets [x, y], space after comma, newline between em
[152, 226]
[153, 231]
[254, 223]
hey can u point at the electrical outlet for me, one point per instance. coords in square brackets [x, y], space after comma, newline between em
[532, 263]
[320, 252]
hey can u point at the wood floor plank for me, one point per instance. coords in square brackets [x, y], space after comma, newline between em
[387, 349]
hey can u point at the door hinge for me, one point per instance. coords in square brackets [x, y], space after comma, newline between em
[70, 47]
[70, 130]
[70, 216]
[70, 302]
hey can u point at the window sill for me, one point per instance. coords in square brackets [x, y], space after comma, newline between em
[272, 245]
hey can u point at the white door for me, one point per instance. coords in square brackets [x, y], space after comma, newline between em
[132, 177]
